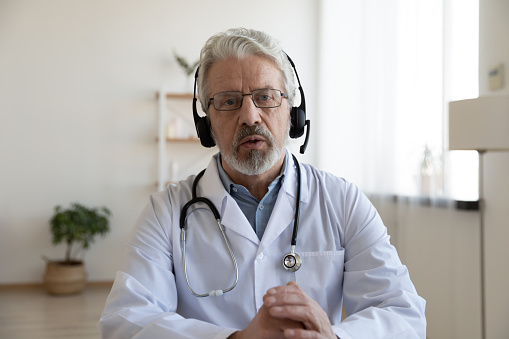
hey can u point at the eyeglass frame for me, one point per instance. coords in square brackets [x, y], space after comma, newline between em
[283, 95]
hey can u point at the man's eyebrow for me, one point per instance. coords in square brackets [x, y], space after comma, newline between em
[268, 87]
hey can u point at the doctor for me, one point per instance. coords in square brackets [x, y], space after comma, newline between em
[292, 244]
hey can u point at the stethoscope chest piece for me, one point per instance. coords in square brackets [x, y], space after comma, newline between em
[292, 261]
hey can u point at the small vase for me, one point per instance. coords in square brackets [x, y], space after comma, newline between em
[189, 84]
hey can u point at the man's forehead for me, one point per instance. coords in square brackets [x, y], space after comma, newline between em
[252, 71]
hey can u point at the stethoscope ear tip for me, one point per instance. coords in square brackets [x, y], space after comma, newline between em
[215, 293]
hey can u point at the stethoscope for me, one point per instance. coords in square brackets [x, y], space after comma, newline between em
[291, 261]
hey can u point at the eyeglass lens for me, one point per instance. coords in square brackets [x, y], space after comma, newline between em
[232, 100]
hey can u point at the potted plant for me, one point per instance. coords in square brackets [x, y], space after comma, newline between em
[76, 225]
[188, 68]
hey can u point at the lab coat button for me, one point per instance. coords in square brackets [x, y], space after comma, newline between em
[260, 256]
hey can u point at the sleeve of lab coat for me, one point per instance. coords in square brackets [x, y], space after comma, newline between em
[379, 297]
[143, 299]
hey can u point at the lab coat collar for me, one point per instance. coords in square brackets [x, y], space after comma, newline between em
[232, 217]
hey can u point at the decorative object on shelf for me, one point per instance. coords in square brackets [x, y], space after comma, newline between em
[174, 171]
[174, 129]
[480, 124]
[76, 225]
[431, 182]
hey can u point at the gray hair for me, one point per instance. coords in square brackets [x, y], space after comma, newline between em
[240, 43]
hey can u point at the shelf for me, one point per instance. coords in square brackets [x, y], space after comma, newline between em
[177, 95]
[190, 139]
[183, 140]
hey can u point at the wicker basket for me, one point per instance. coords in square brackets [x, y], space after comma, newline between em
[65, 278]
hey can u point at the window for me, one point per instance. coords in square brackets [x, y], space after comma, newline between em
[387, 72]
[464, 84]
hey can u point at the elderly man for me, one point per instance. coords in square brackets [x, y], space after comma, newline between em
[217, 255]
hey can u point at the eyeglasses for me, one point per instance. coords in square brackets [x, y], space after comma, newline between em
[262, 98]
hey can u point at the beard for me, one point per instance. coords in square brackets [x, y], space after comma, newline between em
[254, 162]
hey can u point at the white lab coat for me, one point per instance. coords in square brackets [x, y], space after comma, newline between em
[344, 246]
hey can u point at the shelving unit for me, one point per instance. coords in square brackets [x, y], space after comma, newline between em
[165, 143]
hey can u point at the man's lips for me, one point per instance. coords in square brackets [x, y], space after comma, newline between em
[252, 141]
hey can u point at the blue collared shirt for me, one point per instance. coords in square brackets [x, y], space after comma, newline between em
[256, 212]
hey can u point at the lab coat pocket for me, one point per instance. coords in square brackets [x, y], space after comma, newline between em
[321, 277]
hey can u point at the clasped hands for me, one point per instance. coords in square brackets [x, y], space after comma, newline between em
[287, 312]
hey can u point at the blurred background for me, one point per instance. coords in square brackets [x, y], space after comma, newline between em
[80, 117]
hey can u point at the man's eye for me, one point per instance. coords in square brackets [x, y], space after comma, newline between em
[229, 102]
[264, 97]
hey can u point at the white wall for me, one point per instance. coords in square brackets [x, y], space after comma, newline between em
[78, 109]
[494, 49]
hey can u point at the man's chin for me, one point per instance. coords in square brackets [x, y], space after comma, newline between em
[255, 162]
[247, 155]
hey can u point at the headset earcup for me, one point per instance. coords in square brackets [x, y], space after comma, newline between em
[203, 130]
[298, 120]
[202, 126]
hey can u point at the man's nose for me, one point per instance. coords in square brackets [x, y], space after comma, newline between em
[249, 113]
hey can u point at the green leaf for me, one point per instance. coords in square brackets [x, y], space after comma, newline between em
[188, 69]
[78, 224]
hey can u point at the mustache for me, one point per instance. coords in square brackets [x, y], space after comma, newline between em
[252, 130]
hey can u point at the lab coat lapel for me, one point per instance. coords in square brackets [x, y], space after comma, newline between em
[232, 216]
[234, 219]
[284, 210]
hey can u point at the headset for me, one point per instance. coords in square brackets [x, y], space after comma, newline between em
[297, 117]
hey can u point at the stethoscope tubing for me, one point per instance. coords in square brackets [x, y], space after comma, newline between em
[213, 292]
[295, 258]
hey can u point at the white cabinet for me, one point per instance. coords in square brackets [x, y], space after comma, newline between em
[180, 153]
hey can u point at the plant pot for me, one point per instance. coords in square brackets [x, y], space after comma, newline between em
[64, 278]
